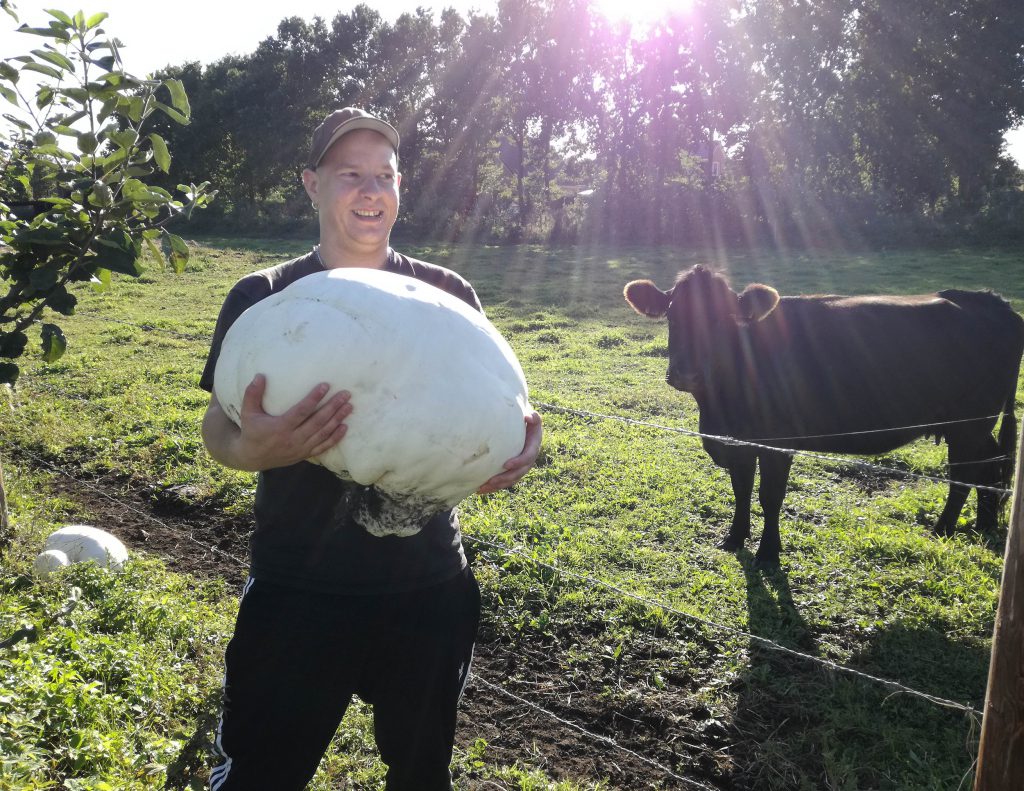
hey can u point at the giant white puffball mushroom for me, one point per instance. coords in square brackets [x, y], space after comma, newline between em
[49, 561]
[438, 395]
[80, 544]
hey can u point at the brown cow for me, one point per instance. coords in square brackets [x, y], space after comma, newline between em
[838, 374]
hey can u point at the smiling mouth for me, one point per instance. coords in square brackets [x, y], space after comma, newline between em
[372, 215]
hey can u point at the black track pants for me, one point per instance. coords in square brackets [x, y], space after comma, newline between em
[296, 659]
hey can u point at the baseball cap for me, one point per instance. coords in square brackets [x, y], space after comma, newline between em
[341, 122]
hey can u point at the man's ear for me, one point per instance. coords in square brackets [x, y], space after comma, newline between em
[646, 298]
[310, 182]
[757, 301]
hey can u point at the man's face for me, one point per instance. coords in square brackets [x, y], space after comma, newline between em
[356, 188]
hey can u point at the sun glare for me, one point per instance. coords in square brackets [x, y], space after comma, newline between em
[641, 13]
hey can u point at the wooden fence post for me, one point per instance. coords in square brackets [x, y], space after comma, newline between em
[1001, 751]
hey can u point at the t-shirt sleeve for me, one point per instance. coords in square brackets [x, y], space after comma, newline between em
[242, 296]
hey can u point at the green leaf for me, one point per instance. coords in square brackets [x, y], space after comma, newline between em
[9, 94]
[179, 99]
[118, 79]
[79, 95]
[55, 31]
[100, 280]
[106, 63]
[133, 108]
[57, 14]
[8, 72]
[68, 120]
[138, 172]
[55, 58]
[44, 96]
[123, 139]
[101, 195]
[47, 236]
[49, 71]
[12, 344]
[45, 277]
[160, 153]
[62, 301]
[118, 253]
[107, 109]
[8, 373]
[110, 163]
[96, 19]
[135, 190]
[59, 203]
[155, 251]
[176, 250]
[87, 142]
[173, 114]
[21, 123]
[54, 343]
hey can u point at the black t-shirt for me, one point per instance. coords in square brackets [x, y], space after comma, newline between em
[306, 535]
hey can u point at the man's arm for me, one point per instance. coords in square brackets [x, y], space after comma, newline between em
[516, 467]
[264, 441]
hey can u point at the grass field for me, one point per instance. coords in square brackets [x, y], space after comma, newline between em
[606, 603]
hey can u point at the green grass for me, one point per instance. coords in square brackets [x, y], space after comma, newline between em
[863, 580]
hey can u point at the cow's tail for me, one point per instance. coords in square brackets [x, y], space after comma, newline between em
[1007, 437]
[1008, 445]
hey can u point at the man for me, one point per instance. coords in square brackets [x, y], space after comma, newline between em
[329, 609]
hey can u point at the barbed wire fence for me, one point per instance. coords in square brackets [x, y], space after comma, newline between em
[592, 581]
[814, 455]
[512, 552]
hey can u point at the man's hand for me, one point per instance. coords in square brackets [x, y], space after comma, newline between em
[516, 467]
[264, 441]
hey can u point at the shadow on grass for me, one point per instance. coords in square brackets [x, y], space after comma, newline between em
[803, 725]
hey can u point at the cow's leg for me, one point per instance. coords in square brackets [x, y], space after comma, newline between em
[989, 505]
[981, 466]
[972, 462]
[741, 471]
[774, 477]
[946, 524]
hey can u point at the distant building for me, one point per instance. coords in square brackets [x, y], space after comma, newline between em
[717, 156]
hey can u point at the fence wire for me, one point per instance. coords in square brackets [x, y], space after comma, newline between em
[724, 439]
[512, 552]
[589, 734]
[845, 460]
[896, 687]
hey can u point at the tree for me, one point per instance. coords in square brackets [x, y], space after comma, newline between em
[74, 159]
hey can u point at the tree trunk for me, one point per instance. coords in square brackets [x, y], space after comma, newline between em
[544, 144]
[520, 186]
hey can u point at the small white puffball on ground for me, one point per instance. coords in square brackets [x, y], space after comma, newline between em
[49, 561]
[82, 543]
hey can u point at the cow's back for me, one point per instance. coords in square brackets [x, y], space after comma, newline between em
[841, 365]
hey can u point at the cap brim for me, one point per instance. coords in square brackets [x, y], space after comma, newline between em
[374, 124]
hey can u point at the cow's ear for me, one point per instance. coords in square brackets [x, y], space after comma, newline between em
[646, 298]
[757, 301]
